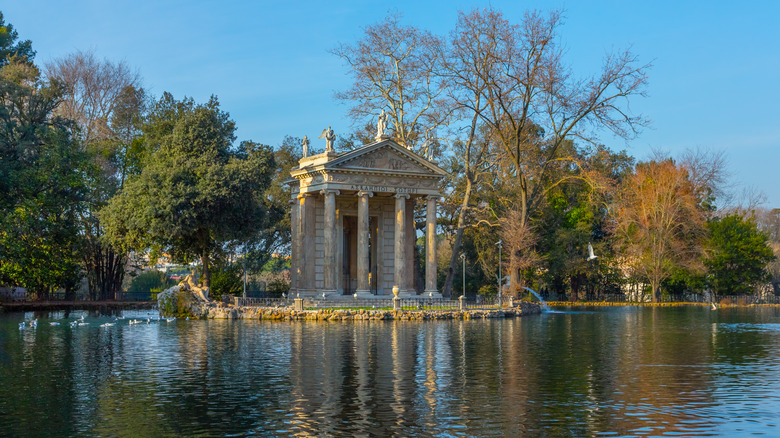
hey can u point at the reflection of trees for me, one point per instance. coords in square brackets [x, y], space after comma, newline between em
[30, 395]
[225, 376]
[558, 374]
[662, 380]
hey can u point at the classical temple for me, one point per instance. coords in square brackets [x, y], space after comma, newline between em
[353, 229]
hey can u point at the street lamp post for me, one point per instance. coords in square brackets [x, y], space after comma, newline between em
[244, 295]
[463, 258]
[500, 277]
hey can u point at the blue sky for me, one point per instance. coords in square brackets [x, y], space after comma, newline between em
[714, 83]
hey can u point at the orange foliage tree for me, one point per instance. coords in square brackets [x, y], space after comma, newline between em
[659, 222]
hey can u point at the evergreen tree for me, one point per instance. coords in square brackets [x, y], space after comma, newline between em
[11, 47]
[42, 188]
[740, 254]
[195, 192]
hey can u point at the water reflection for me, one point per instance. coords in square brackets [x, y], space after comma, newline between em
[624, 371]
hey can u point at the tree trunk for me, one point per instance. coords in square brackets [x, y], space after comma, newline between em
[654, 290]
[447, 289]
[471, 176]
[205, 278]
[105, 271]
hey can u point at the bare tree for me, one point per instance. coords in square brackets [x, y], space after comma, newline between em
[507, 79]
[92, 89]
[707, 170]
[473, 163]
[467, 55]
[532, 104]
[395, 69]
[659, 221]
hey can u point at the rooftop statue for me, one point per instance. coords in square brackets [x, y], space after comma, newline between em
[381, 125]
[329, 137]
[305, 144]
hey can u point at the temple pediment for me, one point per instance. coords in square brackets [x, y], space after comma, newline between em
[384, 167]
[385, 156]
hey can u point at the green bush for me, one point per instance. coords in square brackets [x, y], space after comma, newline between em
[277, 287]
[226, 280]
[151, 280]
[488, 290]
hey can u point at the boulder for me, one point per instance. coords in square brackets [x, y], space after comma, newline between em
[186, 299]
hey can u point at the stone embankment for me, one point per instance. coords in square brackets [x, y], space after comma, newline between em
[222, 311]
[180, 303]
[666, 304]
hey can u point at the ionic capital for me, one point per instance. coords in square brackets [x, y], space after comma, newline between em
[402, 195]
[327, 192]
[305, 195]
[365, 193]
[433, 198]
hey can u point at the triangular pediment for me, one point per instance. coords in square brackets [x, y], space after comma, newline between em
[385, 156]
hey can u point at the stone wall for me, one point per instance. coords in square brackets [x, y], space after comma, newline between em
[212, 310]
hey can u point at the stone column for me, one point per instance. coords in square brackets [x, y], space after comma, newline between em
[412, 273]
[294, 252]
[363, 284]
[329, 265]
[399, 263]
[430, 247]
[307, 238]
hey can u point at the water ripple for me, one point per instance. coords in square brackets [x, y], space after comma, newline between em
[617, 372]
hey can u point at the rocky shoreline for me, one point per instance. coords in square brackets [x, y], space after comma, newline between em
[180, 302]
[228, 311]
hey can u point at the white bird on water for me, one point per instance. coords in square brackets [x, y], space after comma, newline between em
[591, 256]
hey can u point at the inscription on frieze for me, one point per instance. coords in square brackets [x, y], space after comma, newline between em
[390, 189]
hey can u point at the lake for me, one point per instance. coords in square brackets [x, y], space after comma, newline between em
[616, 371]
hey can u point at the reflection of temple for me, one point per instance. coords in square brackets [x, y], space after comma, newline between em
[353, 221]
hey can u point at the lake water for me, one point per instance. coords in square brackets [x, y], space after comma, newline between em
[622, 371]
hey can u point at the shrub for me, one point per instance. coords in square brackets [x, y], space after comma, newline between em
[277, 287]
[488, 290]
[150, 280]
[226, 280]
